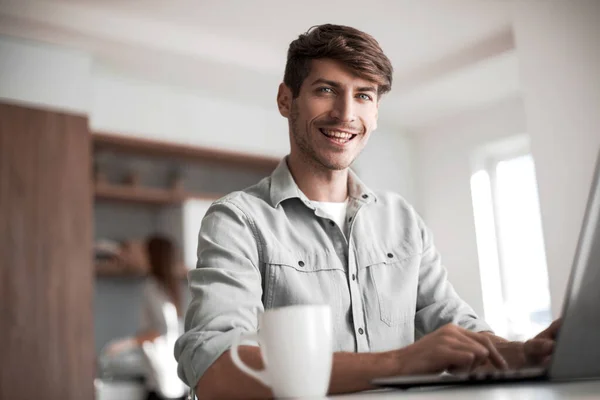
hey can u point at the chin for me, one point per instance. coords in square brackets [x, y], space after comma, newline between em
[336, 165]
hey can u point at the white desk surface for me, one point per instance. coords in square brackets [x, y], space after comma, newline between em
[583, 390]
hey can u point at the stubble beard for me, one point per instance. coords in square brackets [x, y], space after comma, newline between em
[307, 152]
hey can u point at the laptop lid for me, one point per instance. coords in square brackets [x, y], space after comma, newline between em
[577, 352]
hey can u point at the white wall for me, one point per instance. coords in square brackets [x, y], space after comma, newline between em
[42, 75]
[51, 76]
[136, 107]
[558, 47]
[442, 180]
[387, 162]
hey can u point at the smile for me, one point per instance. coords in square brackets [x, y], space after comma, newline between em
[340, 137]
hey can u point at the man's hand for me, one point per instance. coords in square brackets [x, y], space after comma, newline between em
[449, 348]
[538, 351]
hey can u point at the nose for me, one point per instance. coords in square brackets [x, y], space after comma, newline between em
[343, 109]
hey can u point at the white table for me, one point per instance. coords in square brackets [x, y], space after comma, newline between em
[583, 390]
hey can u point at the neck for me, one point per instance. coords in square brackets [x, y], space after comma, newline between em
[317, 182]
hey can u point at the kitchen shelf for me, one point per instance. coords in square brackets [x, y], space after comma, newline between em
[146, 195]
[155, 180]
[156, 148]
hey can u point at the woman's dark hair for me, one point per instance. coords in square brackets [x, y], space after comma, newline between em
[357, 50]
[163, 258]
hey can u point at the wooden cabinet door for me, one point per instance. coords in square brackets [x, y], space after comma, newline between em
[46, 276]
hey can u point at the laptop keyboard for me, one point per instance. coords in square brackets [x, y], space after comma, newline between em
[500, 375]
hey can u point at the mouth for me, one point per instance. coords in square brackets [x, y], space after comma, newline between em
[336, 136]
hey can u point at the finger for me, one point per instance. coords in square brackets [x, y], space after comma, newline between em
[494, 355]
[443, 358]
[458, 360]
[551, 331]
[465, 345]
[485, 368]
[537, 349]
[546, 361]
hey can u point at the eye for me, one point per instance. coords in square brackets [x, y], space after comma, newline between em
[325, 89]
[365, 97]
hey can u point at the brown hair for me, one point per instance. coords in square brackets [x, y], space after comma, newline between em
[356, 49]
[163, 266]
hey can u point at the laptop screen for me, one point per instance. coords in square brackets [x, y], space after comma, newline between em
[577, 351]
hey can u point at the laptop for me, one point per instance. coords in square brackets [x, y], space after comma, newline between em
[577, 351]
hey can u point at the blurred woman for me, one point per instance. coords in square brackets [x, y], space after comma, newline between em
[163, 286]
[161, 320]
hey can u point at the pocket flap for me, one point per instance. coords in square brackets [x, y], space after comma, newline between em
[373, 255]
[302, 261]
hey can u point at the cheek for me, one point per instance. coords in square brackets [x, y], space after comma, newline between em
[369, 120]
[316, 109]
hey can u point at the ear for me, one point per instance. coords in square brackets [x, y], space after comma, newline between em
[284, 100]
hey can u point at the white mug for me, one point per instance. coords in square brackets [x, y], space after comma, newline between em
[297, 350]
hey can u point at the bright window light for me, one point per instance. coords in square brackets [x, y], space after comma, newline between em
[510, 245]
[487, 250]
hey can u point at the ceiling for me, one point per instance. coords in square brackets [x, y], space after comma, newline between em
[449, 55]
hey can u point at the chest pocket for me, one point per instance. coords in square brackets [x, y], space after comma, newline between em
[394, 274]
[293, 278]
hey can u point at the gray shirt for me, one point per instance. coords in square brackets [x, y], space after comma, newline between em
[268, 246]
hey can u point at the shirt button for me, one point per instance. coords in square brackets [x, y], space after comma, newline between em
[390, 255]
[365, 196]
[350, 219]
[331, 223]
[353, 277]
[301, 263]
[360, 331]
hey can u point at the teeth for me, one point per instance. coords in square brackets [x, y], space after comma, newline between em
[337, 134]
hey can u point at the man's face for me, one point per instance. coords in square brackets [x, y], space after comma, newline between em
[333, 116]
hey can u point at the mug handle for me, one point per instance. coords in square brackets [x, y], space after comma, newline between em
[259, 375]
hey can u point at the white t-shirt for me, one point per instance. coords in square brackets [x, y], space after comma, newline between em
[153, 299]
[155, 316]
[335, 211]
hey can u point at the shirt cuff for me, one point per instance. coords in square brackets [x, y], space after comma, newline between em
[197, 356]
[476, 325]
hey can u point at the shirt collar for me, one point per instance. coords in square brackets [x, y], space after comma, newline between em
[283, 187]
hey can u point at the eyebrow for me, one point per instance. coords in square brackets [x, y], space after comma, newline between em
[337, 85]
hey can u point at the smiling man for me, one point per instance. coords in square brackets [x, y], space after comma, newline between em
[312, 232]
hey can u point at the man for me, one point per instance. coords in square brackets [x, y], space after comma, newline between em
[312, 232]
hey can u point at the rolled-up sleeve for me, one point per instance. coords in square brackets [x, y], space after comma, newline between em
[226, 290]
[437, 302]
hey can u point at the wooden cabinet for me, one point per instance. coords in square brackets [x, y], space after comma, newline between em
[46, 275]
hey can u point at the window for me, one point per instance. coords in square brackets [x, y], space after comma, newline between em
[510, 243]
